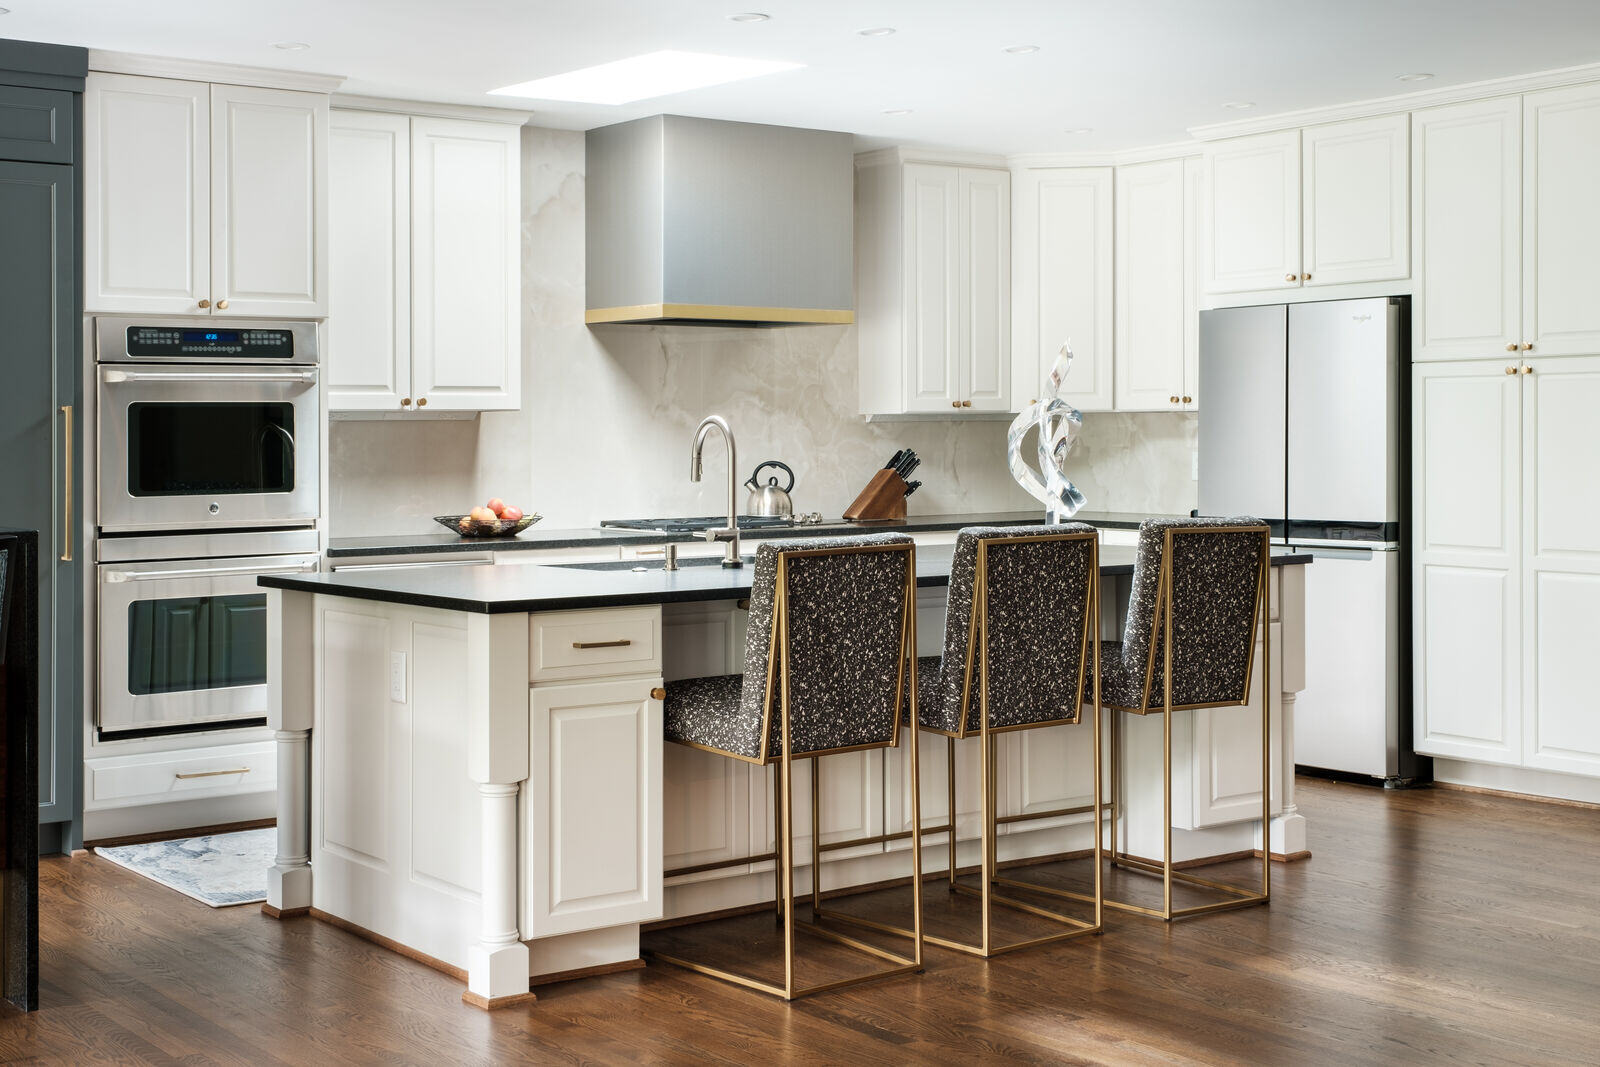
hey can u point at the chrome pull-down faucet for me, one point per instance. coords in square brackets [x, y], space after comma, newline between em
[730, 533]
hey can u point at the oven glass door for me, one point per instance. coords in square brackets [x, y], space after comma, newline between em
[184, 643]
[207, 447]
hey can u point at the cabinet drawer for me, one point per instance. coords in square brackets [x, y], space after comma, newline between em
[159, 777]
[566, 645]
[36, 125]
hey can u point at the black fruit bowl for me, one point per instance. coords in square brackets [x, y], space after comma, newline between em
[466, 527]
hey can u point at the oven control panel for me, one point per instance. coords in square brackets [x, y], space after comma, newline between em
[209, 343]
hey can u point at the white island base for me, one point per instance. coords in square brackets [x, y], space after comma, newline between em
[490, 793]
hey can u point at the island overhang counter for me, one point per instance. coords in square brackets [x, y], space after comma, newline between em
[471, 767]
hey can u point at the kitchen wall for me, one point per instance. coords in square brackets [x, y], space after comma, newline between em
[608, 415]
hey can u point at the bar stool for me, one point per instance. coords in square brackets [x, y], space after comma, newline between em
[1204, 581]
[1018, 640]
[830, 650]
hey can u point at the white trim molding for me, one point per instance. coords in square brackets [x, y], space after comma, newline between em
[197, 70]
[1116, 158]
[472, 113]
[953, 157]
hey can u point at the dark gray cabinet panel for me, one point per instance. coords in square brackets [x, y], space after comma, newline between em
[38, 378]
[36, 125]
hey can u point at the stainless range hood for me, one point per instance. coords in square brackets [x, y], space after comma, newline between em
[703, 222]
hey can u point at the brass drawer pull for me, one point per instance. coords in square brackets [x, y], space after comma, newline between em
[210, 774]
[624, 643]
[658, 693]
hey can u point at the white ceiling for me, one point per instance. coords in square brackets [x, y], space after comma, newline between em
[1138, 72]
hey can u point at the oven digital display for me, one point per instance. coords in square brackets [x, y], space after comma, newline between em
[169, 342]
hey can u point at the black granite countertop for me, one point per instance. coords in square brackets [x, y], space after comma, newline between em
[497, 590]
[539, 537]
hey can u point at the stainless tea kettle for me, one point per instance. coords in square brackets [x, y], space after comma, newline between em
[769, 499]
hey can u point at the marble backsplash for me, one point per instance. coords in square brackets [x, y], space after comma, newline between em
[608, 415]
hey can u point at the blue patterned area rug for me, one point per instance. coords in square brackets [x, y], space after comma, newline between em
[219, 870]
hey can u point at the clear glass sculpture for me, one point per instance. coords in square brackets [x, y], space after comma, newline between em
[1057, 422]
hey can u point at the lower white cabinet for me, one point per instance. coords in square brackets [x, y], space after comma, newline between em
[1507, 561]
[185, 774]
[593, 803]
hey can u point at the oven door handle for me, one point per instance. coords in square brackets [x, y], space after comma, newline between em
[308, 377]
[115, 577]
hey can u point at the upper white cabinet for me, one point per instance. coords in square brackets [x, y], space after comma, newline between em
[1327, 205]
[1061, 287]
[1156, 351]
[933, 287]
[1561, 221]
[426, 265]
[204, 199]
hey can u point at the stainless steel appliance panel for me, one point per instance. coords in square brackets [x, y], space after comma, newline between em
[205, 340]
[1343, 411]
[1242, 423]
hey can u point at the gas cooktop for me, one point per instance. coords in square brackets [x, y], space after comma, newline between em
[699, 524]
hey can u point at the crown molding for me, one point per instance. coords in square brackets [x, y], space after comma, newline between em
[199, 70]
[1389, 105]
[1120, 158]
[356, 102]
[901, 154]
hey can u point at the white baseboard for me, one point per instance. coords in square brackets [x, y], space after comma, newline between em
[1548, 784]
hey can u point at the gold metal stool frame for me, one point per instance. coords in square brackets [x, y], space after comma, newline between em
[1240, 897]
[978, 639]
[783, 852]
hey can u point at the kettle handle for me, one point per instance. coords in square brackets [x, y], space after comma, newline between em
[755, 474]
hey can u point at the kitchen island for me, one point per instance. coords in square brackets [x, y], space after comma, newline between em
[471, 766]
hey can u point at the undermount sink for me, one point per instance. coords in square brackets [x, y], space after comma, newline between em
[642, 566]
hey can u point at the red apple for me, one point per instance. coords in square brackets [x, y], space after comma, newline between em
[510, 513]
[497, 505]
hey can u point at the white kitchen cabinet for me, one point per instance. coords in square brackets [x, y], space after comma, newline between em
[933, 287]
[1061, 282]
[1252, 213]
[1466, 230]
[1356, 224]
[1560, 577]
[204, 199]
[369, 256]
[1561, 222]
[1153, 308]
[427, 266]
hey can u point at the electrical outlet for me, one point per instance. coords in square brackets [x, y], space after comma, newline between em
[397, 677]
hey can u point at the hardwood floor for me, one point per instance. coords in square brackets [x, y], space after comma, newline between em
[1429, 926]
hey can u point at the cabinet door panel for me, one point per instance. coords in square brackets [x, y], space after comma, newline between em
[37, 125]
[1561, 565]
[466, 271]
[369, 257]
[1561, 220]
[1466, 183]
[269, 177]
[986, 289]
[1466, 433]
[147, 201]
[1151, 329]
[1357, 195]
[1252, 213]
[1062, 283]
[932, 279]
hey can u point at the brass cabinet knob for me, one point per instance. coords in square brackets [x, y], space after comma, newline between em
[1511, 370]
[1527, 346]
[1512, 347]
[205, 303]
[222, 305]
[422, 401]
[405, 401]
[1188, 400]
[1173, 399]
[955, 403]
[966, 403]
[1305, 277]
[1291, 277]
[1526, 369]
[658, 693]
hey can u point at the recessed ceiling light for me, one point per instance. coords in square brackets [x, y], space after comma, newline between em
[1081, 129]
[1239, 105]
[897, 111]
[1022, 49]
[643, 77]
[749, 16]
[877, 31]
[1412, 77]
[291, 46]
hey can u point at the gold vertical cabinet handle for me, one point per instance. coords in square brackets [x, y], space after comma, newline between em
[422, 401]
[658, 693]
[405, 401]
[205, 303]
[222, 305]
[210, 774]
[1305, 277]
[1291, 277]
[623, 643]
[1526, 369]
[66, 497]
[1527, 346]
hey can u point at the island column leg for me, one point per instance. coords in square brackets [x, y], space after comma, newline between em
[289, 714]
[1287, 834]
[498, 758]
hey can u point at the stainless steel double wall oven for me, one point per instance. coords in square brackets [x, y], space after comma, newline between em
[209, 473]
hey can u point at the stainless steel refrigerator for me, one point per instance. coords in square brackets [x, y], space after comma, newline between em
[1304, 424]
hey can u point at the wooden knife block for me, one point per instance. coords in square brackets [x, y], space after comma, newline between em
[883, 498]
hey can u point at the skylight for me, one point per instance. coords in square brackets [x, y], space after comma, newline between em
[642, 77]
